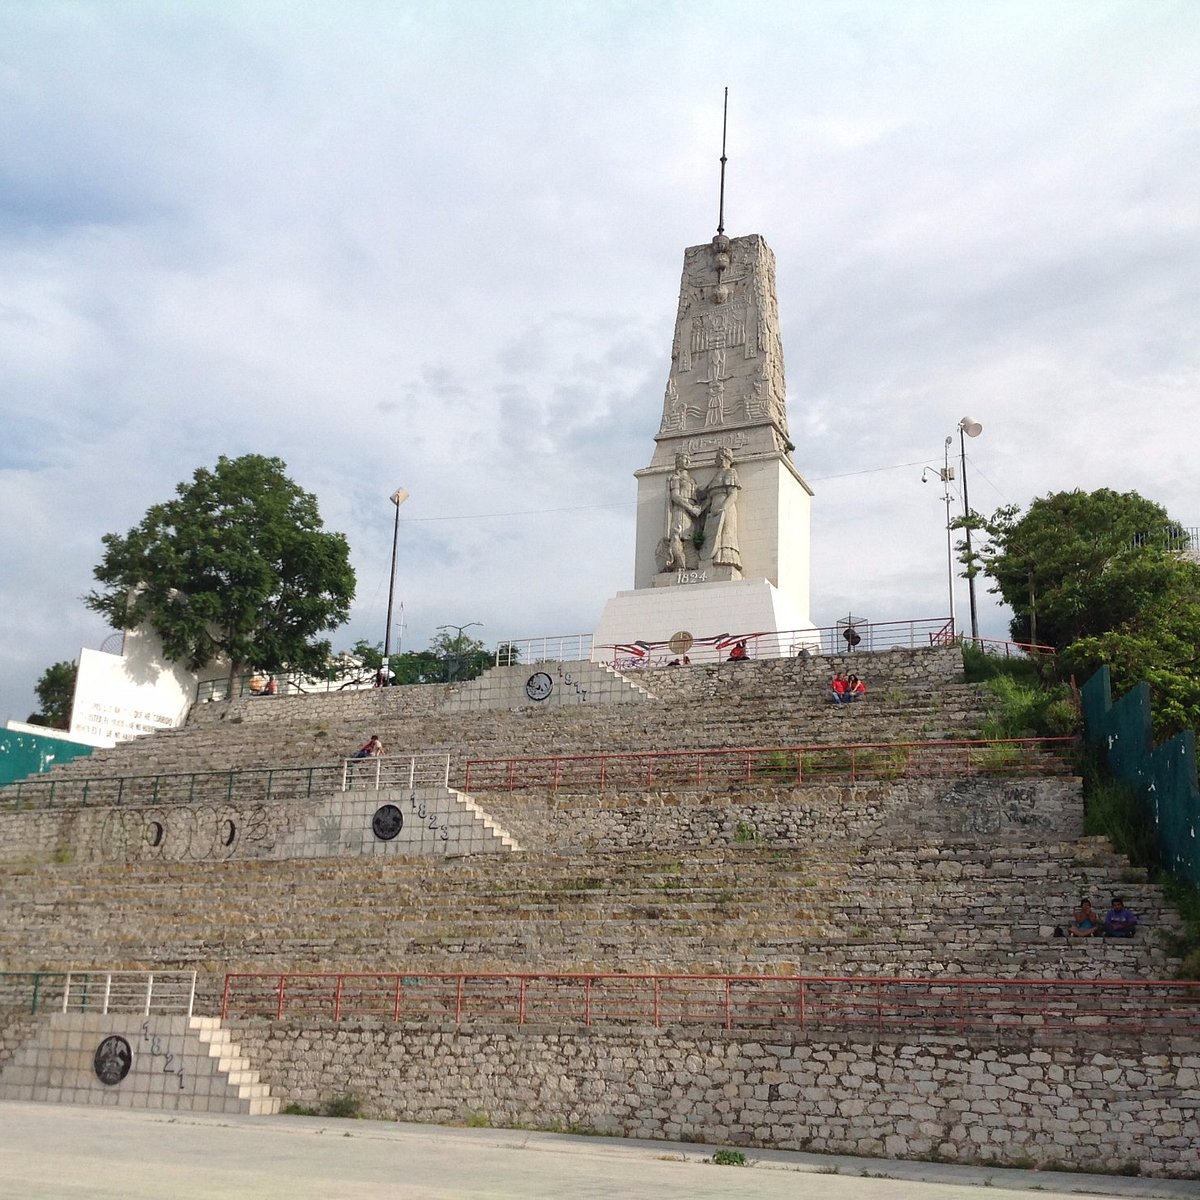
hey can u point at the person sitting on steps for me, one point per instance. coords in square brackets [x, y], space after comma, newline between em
[373, 749]
[855, 688]
[837, 688]
[738, 653]
[1086, 922]
[1119, 921]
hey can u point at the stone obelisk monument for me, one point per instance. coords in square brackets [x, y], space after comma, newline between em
[723, 513]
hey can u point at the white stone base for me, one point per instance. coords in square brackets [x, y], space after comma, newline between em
[738, 607]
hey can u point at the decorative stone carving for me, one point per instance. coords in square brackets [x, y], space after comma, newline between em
[677, 550]
[720, 515]
[727, 361]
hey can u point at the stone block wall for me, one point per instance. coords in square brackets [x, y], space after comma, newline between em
[1116, 1107]
[548, 685]
[175, 1063]
[385, 822]
[1006, 810]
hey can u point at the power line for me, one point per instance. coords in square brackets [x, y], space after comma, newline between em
[526, 512]
[537, 512]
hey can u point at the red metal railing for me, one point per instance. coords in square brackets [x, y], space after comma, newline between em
[1002, 649]
[782, 765]
[1105, 1008]
[783, 643]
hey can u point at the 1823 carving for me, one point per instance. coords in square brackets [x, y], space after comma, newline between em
[387, 822]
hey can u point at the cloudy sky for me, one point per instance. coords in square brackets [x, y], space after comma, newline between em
[438, 245]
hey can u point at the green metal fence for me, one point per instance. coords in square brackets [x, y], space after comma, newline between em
[183, 787]
[1164, 776]
[23, 754]
[32, 991]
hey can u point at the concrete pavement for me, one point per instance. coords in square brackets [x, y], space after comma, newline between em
[65, 1152]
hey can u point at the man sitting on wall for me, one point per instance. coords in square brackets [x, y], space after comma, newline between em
[1120, 921]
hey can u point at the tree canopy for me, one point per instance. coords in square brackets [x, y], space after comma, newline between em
[56, 693]
[450, 656]
[1065, 566]
[1100, 577]
[237, 565]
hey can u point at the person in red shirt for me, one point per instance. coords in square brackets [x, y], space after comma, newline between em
[855, 688]
[837, 688]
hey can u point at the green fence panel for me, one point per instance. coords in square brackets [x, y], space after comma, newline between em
[23, 754]
[1163, 776]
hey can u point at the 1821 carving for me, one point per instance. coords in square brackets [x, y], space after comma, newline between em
[113, 1058]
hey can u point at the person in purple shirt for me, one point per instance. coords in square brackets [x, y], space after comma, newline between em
[1119, 921]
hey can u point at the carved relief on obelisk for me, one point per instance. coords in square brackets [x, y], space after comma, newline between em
[727, 361]
[722, 500]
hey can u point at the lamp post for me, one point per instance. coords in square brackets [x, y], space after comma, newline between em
[946, 474]
[398, 497]
[458, 633]
[969, 427]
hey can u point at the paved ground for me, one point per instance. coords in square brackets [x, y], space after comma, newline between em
[62, 1152]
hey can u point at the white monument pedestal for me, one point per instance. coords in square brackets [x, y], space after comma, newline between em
[739, 608]
[723, 513]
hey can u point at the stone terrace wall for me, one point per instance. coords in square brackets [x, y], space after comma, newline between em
[1078, 1106]
[901, 812]
[808, 881]
[915, 696]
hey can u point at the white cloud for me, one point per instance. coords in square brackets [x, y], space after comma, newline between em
[439, 246]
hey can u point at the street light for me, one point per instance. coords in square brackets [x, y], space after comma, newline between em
[458, 632]
[398, 497]
[946, 473]
[969, 427]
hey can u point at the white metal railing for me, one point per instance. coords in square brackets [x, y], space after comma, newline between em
[418, 770]
[563, 647]
[143, 992]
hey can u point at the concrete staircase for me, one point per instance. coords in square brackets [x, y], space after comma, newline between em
[174, 1063]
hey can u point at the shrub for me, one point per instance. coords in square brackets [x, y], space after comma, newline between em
[728, 1158]
[345, 1105]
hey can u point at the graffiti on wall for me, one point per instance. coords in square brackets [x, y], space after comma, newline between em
[207, 833]
[987, 807]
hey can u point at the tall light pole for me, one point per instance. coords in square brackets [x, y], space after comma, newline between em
[398, 497]
[946, 474]
[969, 427]
[458, 633]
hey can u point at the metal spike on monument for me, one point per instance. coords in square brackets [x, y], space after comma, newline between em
[723, 513]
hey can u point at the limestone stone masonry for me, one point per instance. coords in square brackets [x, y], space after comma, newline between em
[384, 822]
[1121, 1107]
[948, 876]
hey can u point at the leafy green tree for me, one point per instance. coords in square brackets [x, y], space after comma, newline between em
[238, 564]
[1065, 566]
[508, 654]
[56, 692]
[463, 657]
[1154, 634]
[1099, 576]
[418, 666]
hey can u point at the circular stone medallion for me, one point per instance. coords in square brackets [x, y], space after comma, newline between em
[539, 686]
[113, 1060]
[387, 822]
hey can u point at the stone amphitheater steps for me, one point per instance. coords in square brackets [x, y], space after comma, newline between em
[297, 734]
[888, 911]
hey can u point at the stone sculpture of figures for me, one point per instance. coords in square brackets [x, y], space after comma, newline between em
[720, 519]
[677, 550]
